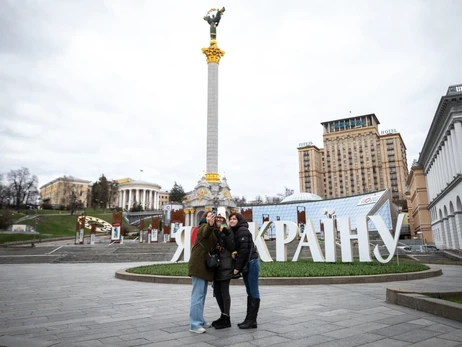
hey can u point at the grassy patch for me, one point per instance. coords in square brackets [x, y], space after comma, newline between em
[54, 224]
[301, 268]
[454, 298]
[457, 299]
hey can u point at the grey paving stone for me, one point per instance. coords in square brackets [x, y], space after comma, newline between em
[441, 328]
[423, 322]
[67, 305]
[416, 335]
[435, 342]
[307, 341]
[356, 340]
[455, 335]
[356, 330]
[397, 329]
[386, 343]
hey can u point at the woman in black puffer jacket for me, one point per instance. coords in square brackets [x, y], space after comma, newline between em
[244, 244]
[224, 272]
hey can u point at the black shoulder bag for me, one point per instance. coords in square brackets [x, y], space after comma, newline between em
[212, 260]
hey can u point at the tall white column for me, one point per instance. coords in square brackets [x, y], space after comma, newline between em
[455, 234]
[429, 179]
[124, 199]
[212, 119]
[458, 221]
[130, 201]
[449, 233]
[452, 157]
[447, 162]
[444, 165]
[438, 174]
[456, 152]
[144, 198]
[156, 200]
[433, 180]
[458, 138]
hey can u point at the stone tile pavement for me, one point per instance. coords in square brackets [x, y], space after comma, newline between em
[70, 305]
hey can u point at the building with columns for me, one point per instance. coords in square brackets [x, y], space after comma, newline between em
[441, 161]
[132, 193]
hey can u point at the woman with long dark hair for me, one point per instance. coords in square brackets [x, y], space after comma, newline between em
[246, 253]
[225, 270]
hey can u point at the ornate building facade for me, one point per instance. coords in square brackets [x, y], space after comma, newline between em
[441, 161]
[356, 159]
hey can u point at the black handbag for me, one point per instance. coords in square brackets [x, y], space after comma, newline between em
[212, 261]
[245, 268]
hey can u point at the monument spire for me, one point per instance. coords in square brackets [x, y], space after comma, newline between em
[213, 54]
[211, 191]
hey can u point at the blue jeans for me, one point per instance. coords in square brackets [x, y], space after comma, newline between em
[251, 279]
[198, 294]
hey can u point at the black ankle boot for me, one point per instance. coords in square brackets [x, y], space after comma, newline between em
[225, 323]
[251, 321]
[219, 320]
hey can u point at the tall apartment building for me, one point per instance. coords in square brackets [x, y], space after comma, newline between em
[356, 159]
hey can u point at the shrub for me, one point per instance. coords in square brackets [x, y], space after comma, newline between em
[6, 219]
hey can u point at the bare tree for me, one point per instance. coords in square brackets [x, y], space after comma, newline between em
[258, 200]
[22, 186]
[72, 194]
[4, 192]
[240, 201]
[273, 199]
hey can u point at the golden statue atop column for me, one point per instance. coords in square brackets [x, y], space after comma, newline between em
[213, 53]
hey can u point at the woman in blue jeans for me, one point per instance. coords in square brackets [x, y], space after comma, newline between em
[246, 252]
[206, 241]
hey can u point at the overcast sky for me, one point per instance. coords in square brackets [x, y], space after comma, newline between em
[112, 87]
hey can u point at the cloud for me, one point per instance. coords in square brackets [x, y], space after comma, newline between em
[95, 87]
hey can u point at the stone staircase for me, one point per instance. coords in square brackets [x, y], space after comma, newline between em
[133, 251]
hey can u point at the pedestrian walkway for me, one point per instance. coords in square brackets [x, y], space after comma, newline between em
[70, 305]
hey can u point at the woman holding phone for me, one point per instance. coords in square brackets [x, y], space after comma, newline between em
[225, 270]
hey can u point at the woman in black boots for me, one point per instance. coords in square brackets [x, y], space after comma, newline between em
[225, 270]
[246, 253]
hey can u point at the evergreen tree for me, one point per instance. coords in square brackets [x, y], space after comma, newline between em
[103, 192]
[177, 194]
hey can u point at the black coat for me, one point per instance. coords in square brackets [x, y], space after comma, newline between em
[244, 243]
[226, 247]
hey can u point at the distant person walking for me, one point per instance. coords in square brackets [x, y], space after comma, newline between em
[246, 253]
[225, 270]
[200, 273]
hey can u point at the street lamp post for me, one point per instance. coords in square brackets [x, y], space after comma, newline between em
[36, 220]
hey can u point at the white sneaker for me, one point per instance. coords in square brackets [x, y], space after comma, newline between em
[207, 325]
[198, 330]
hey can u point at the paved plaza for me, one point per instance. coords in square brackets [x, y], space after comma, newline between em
[77, 304]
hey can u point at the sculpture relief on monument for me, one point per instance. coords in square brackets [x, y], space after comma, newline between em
[211, 191]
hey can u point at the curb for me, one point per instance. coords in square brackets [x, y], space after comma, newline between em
[271, 281]
[421, 302]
